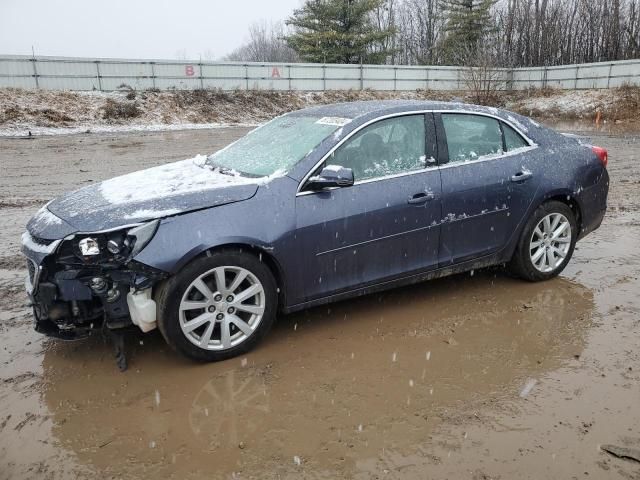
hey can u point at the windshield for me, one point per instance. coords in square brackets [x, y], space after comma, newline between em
[276, 146]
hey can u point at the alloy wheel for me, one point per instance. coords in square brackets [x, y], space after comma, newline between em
[222, 308]
[550, 242]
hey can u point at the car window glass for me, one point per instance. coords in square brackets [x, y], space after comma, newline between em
[470, 137]
[276, 146]
[387, 147]
[513, 139]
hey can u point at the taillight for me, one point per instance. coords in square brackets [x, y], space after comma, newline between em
[602, 155]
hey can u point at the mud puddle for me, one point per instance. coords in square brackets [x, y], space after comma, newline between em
[474, 376]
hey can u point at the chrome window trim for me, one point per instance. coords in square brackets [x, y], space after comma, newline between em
[489, 158]
[299, 191]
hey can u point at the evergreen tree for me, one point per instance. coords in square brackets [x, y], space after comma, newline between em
[338, 31]
[467, 21]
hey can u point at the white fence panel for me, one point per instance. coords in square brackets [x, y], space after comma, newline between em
[125, 69]
[309, 85]
[18, 82]
[110, 74]
[16, 67]
[309, 72]
[343, 72]
[66, 69]
[224, 83]
[68, 83]
[224, 71]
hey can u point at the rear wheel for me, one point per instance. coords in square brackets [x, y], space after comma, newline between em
[546, 243]
[218, 306]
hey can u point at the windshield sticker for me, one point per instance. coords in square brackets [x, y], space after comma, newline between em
[337, 121]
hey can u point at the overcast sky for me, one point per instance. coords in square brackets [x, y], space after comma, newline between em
[134, 28]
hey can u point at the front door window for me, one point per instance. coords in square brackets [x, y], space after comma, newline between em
[388, 147]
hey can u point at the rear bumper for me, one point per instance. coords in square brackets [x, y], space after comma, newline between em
[593, 205]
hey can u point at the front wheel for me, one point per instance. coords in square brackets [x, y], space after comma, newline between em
[546, 243]
[218, 306]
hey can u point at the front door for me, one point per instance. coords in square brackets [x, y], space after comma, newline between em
[383, 227]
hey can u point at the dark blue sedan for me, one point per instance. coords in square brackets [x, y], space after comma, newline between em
[318, 205]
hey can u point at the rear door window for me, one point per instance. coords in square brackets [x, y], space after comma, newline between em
[471, 137]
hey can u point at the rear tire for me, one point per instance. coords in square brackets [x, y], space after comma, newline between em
[218, 306]
[546, 243]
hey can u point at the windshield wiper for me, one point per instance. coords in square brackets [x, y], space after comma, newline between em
[232, 172]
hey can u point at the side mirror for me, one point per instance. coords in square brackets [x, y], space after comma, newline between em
[331, 176]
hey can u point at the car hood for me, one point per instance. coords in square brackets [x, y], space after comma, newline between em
[157, 192]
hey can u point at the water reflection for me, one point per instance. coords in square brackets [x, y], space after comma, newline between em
[328, 387]
[229, 407]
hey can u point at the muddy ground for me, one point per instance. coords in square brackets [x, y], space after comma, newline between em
[474, 376]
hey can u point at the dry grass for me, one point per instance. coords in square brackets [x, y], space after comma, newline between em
[626, 104]
[120, 110]
[27, 108]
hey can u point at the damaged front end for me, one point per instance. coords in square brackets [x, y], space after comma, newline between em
[89, 281]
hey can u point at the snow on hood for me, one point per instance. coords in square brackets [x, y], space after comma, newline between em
[157, 192]
[178, 178]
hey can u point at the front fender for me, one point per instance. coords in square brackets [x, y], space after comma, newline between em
[264, 222]
[175, 266]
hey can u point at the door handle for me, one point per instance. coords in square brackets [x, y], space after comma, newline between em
[422, 197]
[521, 177]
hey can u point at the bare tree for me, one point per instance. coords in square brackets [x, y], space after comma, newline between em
[265, 43]
[419, 25]
[181, 54]
[526, 32]
[482, 79]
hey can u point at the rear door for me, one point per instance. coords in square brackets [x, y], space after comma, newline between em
[487, 185]
[385, 225]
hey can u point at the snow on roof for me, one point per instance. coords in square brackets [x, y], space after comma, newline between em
[354, 110]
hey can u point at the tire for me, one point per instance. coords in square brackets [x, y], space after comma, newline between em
[194, 313]
[527, 261]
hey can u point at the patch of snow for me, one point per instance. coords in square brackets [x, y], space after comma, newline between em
[23, 131]
[515, 151]
[526, 390]
[567, 103]
[518, 124]
[30, 244]
[186, 176]
[44, 218]
[148, 213]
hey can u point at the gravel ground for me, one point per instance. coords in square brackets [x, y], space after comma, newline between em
[473, 376]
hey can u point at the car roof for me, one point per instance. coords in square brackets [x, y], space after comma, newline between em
[368, 108]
